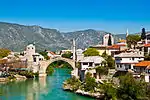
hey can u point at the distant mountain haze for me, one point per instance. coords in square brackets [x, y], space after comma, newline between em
[15, 37]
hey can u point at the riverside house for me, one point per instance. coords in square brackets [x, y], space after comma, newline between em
[126, 60]
[88, 64]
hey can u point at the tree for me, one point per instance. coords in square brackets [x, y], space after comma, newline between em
[132, 40]
[130, 88]
[4, 52]
[143, 34]
[90, 83]
[109, 40]
[109, 90]
[91, 52]
[44, 54]
[67, 54]
[102, 70]
[109, 61]
[147, 57]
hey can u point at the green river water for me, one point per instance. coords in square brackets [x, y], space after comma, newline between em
[48, 88]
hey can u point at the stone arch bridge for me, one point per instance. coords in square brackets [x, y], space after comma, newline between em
[44, 64]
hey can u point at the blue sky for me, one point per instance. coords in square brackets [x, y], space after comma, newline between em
[70, 15]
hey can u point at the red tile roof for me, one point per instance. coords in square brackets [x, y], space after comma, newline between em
[146, 45]
[143, 64]
[51, 52]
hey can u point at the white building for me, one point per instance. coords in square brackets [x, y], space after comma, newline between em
[79, 55]
[125, 61]
[105, 39]
[32, 58]
[91, 62]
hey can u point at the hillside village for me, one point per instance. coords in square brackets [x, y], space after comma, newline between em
[103, 62]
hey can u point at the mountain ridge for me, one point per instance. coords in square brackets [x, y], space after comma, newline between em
[15, 37]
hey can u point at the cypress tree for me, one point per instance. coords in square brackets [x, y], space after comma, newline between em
[143, 34]
[109, 40]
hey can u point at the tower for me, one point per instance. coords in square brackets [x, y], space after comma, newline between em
[74, 50]
[127, 33]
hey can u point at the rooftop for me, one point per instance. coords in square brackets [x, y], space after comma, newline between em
[129, 54]
[146, 45]
[95, 59]
[143, 64]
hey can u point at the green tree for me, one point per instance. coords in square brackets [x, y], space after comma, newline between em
[143, 34]
[4, 52]
[67, 54]
[44, 54]
[102, 70]
[109, 61]
[110, 92]
[147, 57]
[74, 83]
[90, 83]
[91, 52]
[130, 88]
[109, 40]
[132, 40]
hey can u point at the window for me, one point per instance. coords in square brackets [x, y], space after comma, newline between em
[117, 66]
[132, 58]
[129, 66]
[90, 64]
[34, 59]
[97, 64]
[85, 63]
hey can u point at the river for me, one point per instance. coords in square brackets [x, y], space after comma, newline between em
[48, 88]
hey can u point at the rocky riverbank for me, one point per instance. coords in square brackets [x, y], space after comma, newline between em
[69, 87]
[12, 78]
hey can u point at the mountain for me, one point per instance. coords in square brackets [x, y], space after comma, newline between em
[16, 37]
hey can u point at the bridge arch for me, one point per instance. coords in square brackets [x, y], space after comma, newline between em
[45, 63]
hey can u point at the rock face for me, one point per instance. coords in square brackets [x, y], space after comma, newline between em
[16, 37]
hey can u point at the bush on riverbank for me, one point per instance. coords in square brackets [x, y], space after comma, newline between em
[129, 88]
[73, 83]
[90, 83]
[28, 74]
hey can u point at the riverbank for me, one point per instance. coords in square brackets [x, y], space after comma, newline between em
[18, 76]
[83, 88]
[13, 78]
[97, 95]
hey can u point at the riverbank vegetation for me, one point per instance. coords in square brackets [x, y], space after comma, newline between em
[128, 88]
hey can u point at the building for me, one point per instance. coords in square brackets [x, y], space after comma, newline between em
[88, 64]
[51, 54]
[32, 58]
[126, 60]
[106, 38]
[29, 51]
[91, 62]
[79, 55]
[142, 67]
[110, 50]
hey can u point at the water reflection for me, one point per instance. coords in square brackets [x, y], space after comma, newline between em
[45, 88]
[24, 90]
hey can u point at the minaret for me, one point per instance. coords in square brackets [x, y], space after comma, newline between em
[74, 50]
[127, 33]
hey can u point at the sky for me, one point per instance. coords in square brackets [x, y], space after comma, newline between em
[113, 16]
